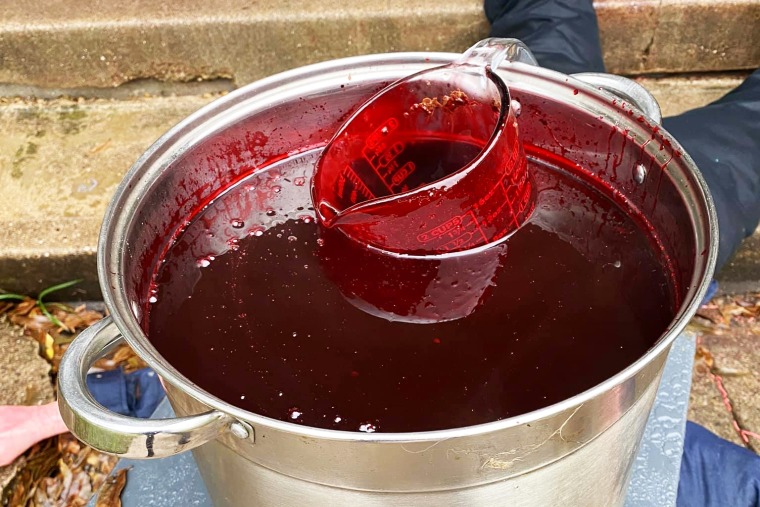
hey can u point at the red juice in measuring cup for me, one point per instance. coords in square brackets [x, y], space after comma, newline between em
[432, 164]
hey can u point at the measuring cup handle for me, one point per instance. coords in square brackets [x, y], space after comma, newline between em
[625, 89]
[113, 433]
[494, 50]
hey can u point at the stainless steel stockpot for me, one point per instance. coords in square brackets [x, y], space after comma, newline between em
[577, 452]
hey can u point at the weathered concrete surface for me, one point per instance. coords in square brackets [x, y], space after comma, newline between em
[742, 273]
[679, 35]
[24, 376]
[71, 44]
[726, 381]
[706, 406]
[678, 94]
[60, 162]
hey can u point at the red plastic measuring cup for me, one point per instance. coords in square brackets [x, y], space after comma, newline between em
[431, 164]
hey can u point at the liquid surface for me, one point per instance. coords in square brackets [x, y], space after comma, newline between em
[259, 306]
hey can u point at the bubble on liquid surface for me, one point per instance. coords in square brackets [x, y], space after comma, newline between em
[368, 427]
[237, 223]
[294, 413]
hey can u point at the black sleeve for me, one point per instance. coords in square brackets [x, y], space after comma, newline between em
[563, 34]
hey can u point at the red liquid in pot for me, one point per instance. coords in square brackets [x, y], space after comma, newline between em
[258, 306]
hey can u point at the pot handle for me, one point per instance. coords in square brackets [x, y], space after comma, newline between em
[120, 435]
[625, 89]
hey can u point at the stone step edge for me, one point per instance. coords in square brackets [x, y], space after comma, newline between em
[200, 44]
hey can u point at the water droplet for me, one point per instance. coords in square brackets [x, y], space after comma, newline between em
[299, 182]
[384, 131]
[237, 223]
[368, 427]
[292, 238]
[234, 244]
[276, 189]
[617, 264]
[320, 242]
[271, 212]
[242, 315]
[295, 334]
[306, 219]
[242, 397]
[294, 413]
[152, 299]
[256, 232]
[338, 419]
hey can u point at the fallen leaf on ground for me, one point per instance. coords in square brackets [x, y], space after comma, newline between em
[110, 493]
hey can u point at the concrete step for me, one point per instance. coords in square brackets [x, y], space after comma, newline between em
[60, 162]
[73, 45]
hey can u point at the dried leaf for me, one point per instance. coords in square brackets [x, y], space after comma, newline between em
[705, 355]
[710, 314]
[49, 341]
[110, 493]
[39, 462]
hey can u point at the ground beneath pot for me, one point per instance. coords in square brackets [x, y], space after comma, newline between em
[60, 471]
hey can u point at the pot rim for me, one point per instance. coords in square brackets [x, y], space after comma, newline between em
[112, 234]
